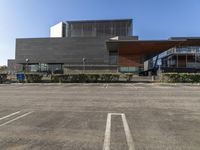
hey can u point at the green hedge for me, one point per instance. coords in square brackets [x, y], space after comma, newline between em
[109, 77]
[85, 78]
[3, 77]
[181, 77]
[59, 78]
[33, 78]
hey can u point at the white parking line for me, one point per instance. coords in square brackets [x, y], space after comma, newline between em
[134, 87]
[162, 87]
[127, 131]
[10, 115]
[19, 117]
[129, 139]
[106, 145]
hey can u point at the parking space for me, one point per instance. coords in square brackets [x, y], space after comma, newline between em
[54, 130]
[76, 117]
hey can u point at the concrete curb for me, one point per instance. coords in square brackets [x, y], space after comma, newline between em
[178, 84]
[101, 84]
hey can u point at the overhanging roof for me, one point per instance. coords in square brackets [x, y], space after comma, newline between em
[149, 47]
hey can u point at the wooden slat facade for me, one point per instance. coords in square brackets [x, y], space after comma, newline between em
[135, 52]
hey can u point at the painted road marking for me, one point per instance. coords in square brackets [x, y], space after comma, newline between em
[10, 115]
[17, 118]
[192, 87]
[105, 86]
[135, 87]
[129, 139]
[106, 145]
[163, 87]
[127, 131]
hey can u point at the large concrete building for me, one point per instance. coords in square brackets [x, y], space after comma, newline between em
[94, 45]
[73, 43]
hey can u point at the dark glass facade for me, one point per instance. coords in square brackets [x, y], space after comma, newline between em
[43, 67]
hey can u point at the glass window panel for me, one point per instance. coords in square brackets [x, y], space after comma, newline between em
[113, 58]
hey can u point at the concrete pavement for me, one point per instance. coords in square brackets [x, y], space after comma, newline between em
[63, 117]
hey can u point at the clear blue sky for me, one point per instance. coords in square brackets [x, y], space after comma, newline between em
[153, 19]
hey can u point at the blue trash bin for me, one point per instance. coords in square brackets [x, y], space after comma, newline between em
[20, 77]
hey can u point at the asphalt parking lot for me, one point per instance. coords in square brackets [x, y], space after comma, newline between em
[134, 116]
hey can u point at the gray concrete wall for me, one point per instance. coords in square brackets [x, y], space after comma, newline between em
[62, 50]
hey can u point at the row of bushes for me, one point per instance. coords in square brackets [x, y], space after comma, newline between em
[181, 77]
[92, 78]
[75, 78]
[80, 78]
[33, 78]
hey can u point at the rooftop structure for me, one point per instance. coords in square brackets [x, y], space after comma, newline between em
[93, 28]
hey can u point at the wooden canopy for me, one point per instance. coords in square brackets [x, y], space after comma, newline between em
[135, 52]
[148, 47]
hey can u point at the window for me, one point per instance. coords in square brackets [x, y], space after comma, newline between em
[113, 58]
[129, 69]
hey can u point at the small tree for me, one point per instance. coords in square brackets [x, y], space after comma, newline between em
[3, 69]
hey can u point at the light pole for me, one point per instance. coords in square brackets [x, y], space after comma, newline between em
[84, 61]
[27, 60]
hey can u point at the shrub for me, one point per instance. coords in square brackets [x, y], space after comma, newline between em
[115, 77]
[76, 78]
[92, 78]
[105, 77]
[171, 77]
[109, 77]
[3, 77]
[195, 78]
[60, 78]
[33, 78]
[82, 78]
[181, 77]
